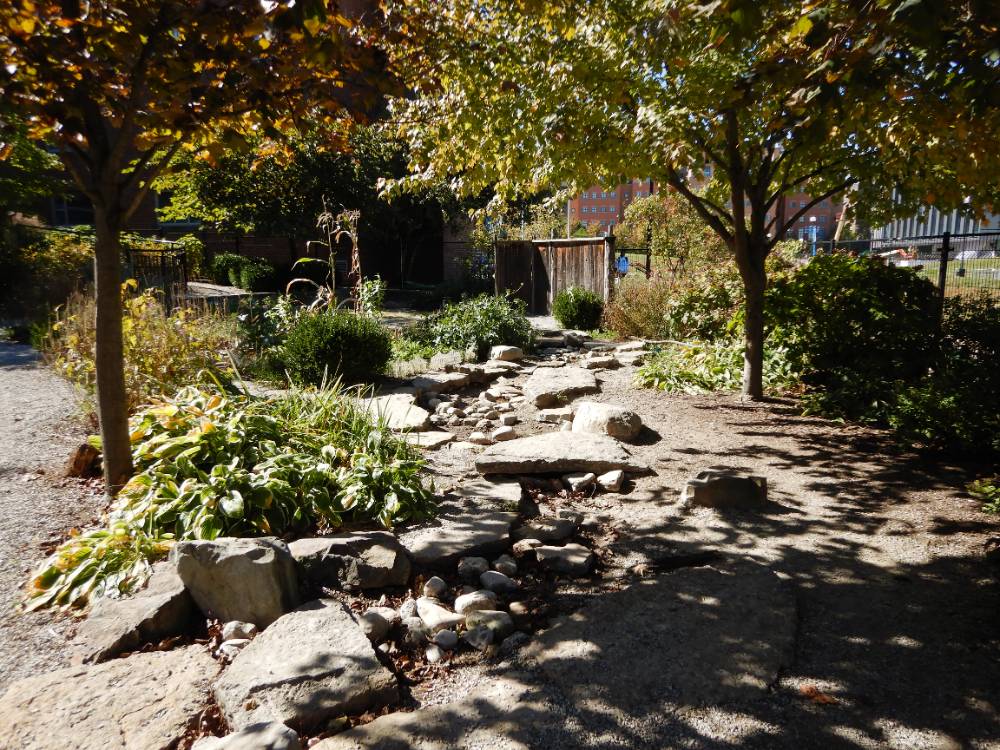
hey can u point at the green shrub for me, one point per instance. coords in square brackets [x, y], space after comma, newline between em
[194, 254]
[857, 330]
[706, 366]
[225, 268]
[956, 403]
[478, 324]
[256, 275]
[578, 308]
[326, 345]
[210, 466]
[987, 489]
[40, 269]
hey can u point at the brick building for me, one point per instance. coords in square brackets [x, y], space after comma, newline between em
[606, 207]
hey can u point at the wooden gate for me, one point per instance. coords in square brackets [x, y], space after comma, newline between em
[537, 270]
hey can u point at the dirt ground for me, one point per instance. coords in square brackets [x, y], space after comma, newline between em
[899, 623]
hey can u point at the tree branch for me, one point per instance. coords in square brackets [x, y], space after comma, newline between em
[675, 181]
[802, 211]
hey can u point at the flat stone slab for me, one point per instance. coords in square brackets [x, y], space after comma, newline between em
[163, 609]
[431, 440]
[312, 665]
[358, 560]
[479, 492]
[400, 412]
[495, 716]
[146, 701]
[693, 637]
[440, 382]
[558, 452]
[725, 489]
[463, 534]
[548, 386]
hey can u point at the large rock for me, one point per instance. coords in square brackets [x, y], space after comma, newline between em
[573, 560]
[606, 419]
[163, 609]
[312, 665]
[461, 534]
[251, 580]
[506, 353]
[360, 560]
[557, 453]
[550, 386]
[440, 382]
[145, 702]
[693, 637]
[267, 736]
[400, 412]
[725, 489]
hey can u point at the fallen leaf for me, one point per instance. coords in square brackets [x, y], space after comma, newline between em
[814, 694]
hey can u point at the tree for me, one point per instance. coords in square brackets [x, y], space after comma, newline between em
[28, 173]
[120, 86]
[771, 96]
[258, 191]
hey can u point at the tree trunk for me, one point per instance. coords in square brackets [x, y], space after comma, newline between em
[112, 402]
[754, 282]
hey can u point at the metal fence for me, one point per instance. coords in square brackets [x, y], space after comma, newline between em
[955, 263]
[159, 264]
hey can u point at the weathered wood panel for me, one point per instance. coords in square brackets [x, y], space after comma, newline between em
[537, 271]
[514, 270]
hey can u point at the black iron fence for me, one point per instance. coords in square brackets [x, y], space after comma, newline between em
[955, 263]
[158, 264]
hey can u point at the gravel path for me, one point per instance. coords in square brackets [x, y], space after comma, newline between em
[39, 427]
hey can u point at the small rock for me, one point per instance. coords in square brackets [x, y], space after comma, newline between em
[470, 568]
[436, 617]
[546, 530]
[606, 419]
[434, 653]
[374, 626]
[492, 415]
[237, 629]
[446, 639]
[513, 642]
[573, 560]
[479, 438]
[503, 433]
[507, 420]
[499, 622]
[85, 462]
[724, 489]
[435, 587]
[477, 600]
[497, 582]
[580, 482]
[570, 515]
[520, 611]
[611, 481]
[506, 565]
[506, 353]
[601, 363]
[555, 416]
[264, 736]
[525, 547]
[415, 633]
[408, 609]
[565, 427]
[480, 638]
[231, 647]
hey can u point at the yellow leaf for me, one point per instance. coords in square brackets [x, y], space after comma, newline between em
[313, 25]
[801, 27]
[264, 42]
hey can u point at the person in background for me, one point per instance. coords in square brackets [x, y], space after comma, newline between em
[621, 265]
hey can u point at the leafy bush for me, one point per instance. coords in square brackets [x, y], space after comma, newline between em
[210, 466]
[956, 403]
[856, 330]
[225, 268]
[478, 324]
[705, 366]
[194, 254]
[261, 328]
[578, 308]
[40, 270]
[325, 345]
[371, 295]
[255, 275]
[987, 489]
[162, 352]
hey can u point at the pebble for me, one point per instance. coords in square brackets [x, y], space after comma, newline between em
[434, 653]
[232, 647]
[495, 581]
[579, 482]
[390, 615]
[470, 568]
[499, 622]
[408, 609]
[414, 632]
[446, 639]
[235, 629]
[503, 433]
[478, 438]
[436, 617]
[520, 610]
[513, 642]
[506, 565]
[435, 587]
[476, 600]
[525, 547]
[612, 480]
[508, 420]
[374, 626]
[479, 638]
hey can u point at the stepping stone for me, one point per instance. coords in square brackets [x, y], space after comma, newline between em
[546, 530]
[606, 419]
[312, 665]
[359, 560]
[399, 411]
[163, 609]
[431, 440]
[725, 489]
[147, 701]
[696, 636]
[250, 580]
[558, 453]
[453, 535]
[440, 382]
[504, 493]
[549, 386]
[573, 560]
[600, 363]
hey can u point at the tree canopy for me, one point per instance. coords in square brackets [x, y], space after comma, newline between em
[776, 96]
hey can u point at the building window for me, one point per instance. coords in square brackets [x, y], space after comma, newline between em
[72, 212]
[794, 204]
[822, 219]
[707, 171]
[613, 194]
